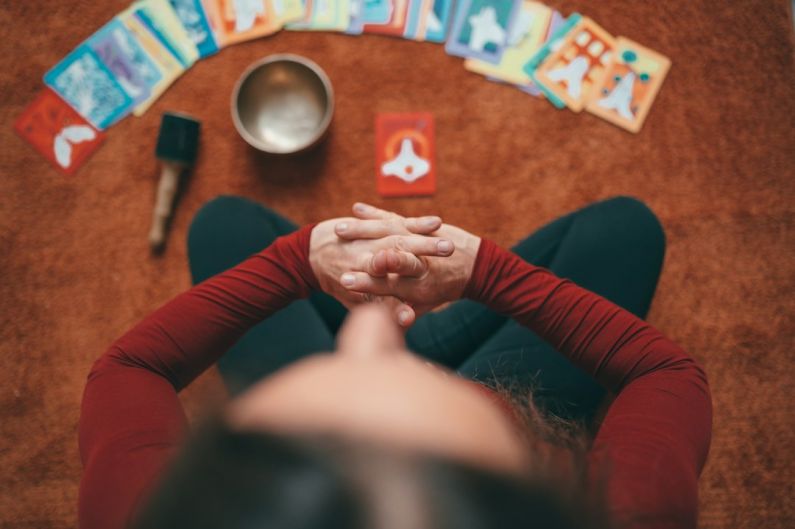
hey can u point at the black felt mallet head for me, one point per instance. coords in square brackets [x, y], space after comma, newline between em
[177, 147]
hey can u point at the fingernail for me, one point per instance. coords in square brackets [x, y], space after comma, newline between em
[444, 247]
[348, 280]
[342, 226]
[360, 207]
[403, 317]
[429, 222]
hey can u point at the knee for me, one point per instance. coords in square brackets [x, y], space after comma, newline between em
[636, 220]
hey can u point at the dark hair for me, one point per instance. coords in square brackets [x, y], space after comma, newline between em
[232, 479]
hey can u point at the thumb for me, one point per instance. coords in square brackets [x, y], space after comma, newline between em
[369, 329]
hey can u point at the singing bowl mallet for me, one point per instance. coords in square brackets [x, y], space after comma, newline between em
[177, 145]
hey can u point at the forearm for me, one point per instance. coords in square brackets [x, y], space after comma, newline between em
[189, 333]
[603, 339]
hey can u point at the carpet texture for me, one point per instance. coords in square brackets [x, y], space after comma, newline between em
[715, 160]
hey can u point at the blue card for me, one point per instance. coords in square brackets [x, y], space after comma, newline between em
[481, 28]
[144, 64]
[438, 20]
[191, 14]
[89, 87]
[413, 17]
[110, 44]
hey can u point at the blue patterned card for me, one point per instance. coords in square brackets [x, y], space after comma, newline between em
[191, 14]
[89, 87]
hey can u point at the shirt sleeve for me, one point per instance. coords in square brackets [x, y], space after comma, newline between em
[131, 419]
[653, 443]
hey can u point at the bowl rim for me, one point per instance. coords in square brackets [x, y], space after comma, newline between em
[283, 57]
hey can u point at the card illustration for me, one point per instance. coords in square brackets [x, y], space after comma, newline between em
[197, 26]
[577, 64]
[59, 133]
[481, 29]
[405, 157]
[632, 82]
[84, 82]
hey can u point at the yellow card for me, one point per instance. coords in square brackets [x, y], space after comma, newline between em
[633, 80]
[527, 36]
[163, 18]
[169, 67]
[286, 11]
[331, 15]
[577, 64]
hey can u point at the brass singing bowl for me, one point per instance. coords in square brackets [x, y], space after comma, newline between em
[283, 104]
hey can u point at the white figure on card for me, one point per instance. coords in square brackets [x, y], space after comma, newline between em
[573, 74]
[620, 98]
[246, 13]
[485, 29]
[407, 165]
[69, 135]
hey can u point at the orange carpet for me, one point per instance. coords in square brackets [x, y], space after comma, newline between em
[715, 160]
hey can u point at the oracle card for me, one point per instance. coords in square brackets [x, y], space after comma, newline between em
[405, 154]
[577, 63]
[395, 23]
[113, 44]
[481, 28]
[59, 133]
[240, 20]
[193, 17]
[631, 83]
[83, 81]
[163, 22]
[527, 35]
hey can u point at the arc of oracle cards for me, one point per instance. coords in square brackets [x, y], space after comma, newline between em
[405, 154]
[59, 133]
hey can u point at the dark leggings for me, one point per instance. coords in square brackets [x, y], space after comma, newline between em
[614, 248]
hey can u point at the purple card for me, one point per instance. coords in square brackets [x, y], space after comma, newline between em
[117, 60]
[481, 28]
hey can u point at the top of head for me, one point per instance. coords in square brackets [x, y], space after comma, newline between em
[178, 139]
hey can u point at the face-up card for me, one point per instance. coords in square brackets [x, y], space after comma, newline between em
[239, 20]
[286, 11]
[481, 28]
[111, 43]
[396, 22]
[528, 34]
[305, 20]
[59, 133]
[435, 22]
[168, 67]
[194, 19]
[355, 23]
[84, 82]
[405, 154]
[330, 15]
[546, 49]
[163, 22]
[577, 63]
[628, 89]
[416, 11]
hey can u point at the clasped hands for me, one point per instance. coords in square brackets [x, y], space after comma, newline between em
[410, 264]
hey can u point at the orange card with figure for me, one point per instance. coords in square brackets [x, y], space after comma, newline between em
[630, 86]
[577, 64]
[236, 21]
[405, 160]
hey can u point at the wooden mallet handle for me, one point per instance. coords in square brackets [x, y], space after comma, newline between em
[164, 204]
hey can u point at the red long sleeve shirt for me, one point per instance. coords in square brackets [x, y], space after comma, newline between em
[655, 436]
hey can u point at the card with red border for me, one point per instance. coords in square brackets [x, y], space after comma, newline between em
[405, 154]
[59, 133]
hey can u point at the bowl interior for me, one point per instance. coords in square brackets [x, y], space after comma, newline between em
[283, 106]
